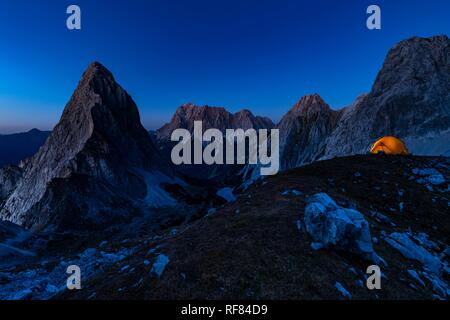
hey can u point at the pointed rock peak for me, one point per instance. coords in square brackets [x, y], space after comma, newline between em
[97, 69]
[99, 90]
[244, 112]
[310, 102]
[311, 99]
[99, 137]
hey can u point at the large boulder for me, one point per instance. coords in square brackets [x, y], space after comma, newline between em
[333, 226]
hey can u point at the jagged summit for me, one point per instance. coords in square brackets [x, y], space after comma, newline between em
[310, 103]
[212, 117]
[34, 130]
[303, 130]
[310, 99]
[99, 140]
[410, 99]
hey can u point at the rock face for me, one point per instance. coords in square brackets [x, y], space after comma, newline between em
[410, 99]
[304, 129]
[332, 226]
[90, 166]
[212, 117]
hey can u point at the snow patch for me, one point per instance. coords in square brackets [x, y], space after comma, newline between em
[250, 175]
[156, 196]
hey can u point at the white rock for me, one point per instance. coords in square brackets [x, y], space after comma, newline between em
[333, 226]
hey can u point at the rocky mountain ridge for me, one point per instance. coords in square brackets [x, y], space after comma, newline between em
[99, 158]
[212, 117]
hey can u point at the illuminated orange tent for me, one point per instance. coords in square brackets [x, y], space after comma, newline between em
[389, 145]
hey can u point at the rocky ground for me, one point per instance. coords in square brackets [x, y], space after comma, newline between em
[260, 246]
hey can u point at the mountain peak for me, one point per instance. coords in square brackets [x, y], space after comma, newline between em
[100, 138]
[310, 103]
[96, 68]
[304, 129]
[244, 112]
[212, 117]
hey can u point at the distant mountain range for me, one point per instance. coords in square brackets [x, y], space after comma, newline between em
[16, 147]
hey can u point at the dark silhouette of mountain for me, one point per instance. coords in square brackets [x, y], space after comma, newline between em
[99, 163]
[18, 146]
[304, 129]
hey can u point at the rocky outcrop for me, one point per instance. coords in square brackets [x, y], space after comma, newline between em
[90, 168]
[333, 226]
[212, 117]
[410, 99]
[304, 129]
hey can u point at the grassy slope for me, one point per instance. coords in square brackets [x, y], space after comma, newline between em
[253, 249]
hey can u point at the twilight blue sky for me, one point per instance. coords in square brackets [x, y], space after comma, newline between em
[261, 55]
